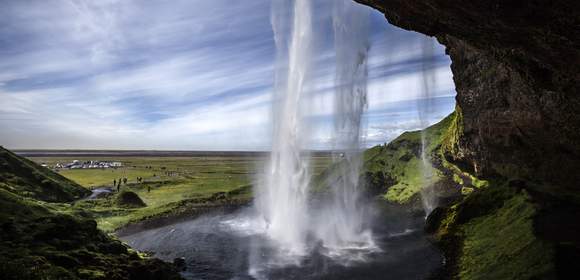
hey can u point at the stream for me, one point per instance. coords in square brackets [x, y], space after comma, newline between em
[233, 246]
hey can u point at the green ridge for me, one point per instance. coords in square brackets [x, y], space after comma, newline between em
[26, 178]
[396, 168]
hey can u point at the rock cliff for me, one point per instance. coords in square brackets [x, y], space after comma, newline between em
[516, 67]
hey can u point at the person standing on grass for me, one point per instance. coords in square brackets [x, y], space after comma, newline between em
[114, 182]
[148, 188]
[125, 180]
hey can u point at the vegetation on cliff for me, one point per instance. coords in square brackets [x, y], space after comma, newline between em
[396, 169]
[487, 228]
[490, 235]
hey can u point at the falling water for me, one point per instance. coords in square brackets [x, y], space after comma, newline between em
[428, 197]
[344, 220]
[282, 197]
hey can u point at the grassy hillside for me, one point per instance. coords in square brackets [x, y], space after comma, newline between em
[24, 177]
[39, 242]
[396, 172]
[487, 229]
[396, 169]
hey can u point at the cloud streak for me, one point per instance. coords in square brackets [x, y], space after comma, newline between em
[193, 75]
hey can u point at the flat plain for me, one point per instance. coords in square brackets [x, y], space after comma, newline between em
[171, 185]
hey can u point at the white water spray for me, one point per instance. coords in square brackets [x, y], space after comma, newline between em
[282, 197]
[343, 224]
[428, 197]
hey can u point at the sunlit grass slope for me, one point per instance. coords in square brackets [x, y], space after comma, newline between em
[398, 167]
[395, 170]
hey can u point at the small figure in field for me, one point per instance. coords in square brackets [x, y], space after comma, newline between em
[125, 180]
[119, 187]
[114, 182]
[149, 189]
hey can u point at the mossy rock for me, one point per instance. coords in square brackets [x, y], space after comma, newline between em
[129, 199]
[490, 235]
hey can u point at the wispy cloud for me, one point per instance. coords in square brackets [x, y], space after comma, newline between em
[178, 75]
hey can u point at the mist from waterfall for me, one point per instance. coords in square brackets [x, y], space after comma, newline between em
[425, 108]
[344, 220]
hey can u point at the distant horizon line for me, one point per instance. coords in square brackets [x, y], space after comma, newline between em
[157, 150]
[144, 153]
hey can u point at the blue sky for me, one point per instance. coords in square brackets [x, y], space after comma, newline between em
[183, 75]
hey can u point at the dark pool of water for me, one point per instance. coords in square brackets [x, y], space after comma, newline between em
[229, 246]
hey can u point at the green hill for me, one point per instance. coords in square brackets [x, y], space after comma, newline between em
[39, 242]
[395, 170]
[25, 178]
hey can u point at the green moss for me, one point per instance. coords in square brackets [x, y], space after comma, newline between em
[466, 191]
[91, 274]
[502, 245]
[457, 179]
[453, 133]
[460, 176]
[490, 235]
[61, 246]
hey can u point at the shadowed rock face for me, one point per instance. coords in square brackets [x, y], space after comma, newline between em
[516, 67]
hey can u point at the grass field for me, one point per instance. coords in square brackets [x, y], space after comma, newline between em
[170, 183]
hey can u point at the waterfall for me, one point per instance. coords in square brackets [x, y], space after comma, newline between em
[282, 196]
[428, 197]
[343, 222]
